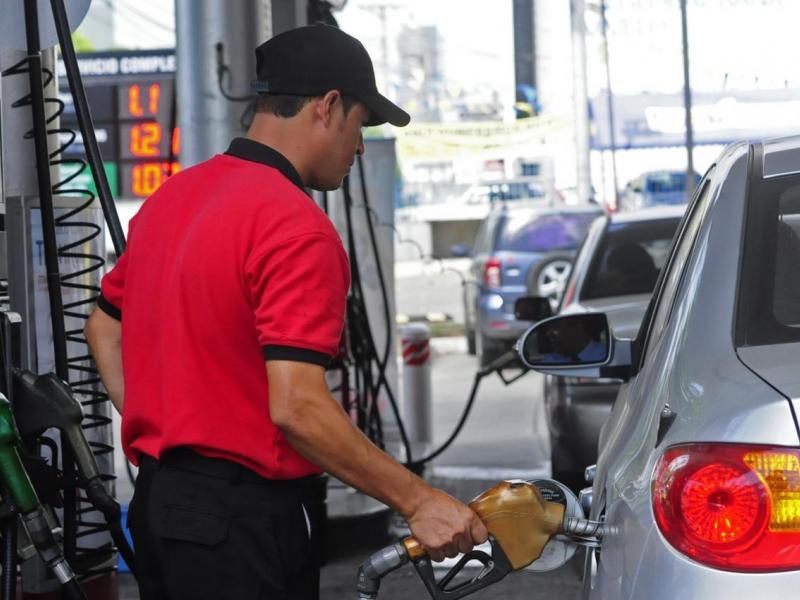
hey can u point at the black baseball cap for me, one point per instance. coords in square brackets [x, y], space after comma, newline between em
[313, 60]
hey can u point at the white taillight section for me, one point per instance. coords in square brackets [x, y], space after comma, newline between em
[731, 506]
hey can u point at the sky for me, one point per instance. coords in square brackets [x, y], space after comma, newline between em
[476, 36]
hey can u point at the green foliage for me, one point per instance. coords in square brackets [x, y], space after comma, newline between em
[82, 43]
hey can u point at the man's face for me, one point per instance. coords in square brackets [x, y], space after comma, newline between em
[343, 141]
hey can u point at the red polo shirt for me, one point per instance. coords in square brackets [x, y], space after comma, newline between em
[228, 264]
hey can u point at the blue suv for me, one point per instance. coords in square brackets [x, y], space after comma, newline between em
[519, 251]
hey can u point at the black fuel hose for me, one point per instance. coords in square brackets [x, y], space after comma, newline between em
[497, 365]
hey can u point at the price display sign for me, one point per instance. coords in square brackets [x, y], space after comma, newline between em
[132, 100]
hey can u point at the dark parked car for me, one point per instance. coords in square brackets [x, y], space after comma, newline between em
[615, 272]
[518, 251]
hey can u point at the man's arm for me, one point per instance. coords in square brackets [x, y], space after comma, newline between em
[318, 428]
[104, 334]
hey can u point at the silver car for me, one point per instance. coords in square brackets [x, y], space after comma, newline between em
[698, 477]
[615, 272]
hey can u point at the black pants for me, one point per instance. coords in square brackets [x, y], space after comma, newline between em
[208, 528]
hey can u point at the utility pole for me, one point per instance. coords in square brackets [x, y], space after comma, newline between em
[687, 102]
[381, 10]
[581, 100]
[610, 98]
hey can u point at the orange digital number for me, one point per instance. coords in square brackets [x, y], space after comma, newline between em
[176, 141]
[135, 101]
[145, 139]
[154, 95]
[146, 179]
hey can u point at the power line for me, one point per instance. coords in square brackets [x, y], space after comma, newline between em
[116, 5]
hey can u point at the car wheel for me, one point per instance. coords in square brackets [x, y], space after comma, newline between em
[565, 468]
[548, 277]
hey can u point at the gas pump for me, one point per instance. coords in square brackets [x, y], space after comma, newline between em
[59, 515]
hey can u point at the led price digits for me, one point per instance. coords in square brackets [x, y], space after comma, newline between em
[147, 177]
[145, 139]
[136, 104]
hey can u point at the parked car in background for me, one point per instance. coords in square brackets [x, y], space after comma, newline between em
[656, 188]
[615, 272]
[511, 190]
[698, 478]
[519, 249]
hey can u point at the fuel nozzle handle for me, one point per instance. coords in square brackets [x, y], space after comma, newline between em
[26, 502]
[44, 401]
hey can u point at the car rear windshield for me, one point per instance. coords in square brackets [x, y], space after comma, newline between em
[629, 258]
[532, 232]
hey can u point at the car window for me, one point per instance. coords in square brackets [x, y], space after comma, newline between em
[629, 259]
[520, 232]
[582, 260]
[769, 284]
[786, 283]
[676, 263]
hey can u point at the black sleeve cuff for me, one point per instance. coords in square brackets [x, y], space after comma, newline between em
[296, 354]
[108, 308]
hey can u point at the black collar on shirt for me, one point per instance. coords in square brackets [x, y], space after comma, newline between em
[251, 150]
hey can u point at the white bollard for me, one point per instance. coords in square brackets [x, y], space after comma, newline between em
[417, 398]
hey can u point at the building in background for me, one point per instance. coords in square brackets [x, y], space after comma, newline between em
[419, 87]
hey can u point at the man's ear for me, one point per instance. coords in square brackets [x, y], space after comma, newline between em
[327, 106]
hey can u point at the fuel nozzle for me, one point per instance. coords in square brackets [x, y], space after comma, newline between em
[520, 522]
[26, 502]
[43, 402]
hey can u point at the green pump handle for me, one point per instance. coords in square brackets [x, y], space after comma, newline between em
[11, 470]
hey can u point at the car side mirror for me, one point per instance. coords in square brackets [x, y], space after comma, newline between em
[579, 345]
[532, 308]
[460, 251]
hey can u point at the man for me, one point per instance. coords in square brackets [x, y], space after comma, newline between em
[230, 265]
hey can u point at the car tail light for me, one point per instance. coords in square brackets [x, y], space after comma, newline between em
[732, 507]
[492, 273]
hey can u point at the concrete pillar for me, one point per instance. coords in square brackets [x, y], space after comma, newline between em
[581, 101]
[207, 119]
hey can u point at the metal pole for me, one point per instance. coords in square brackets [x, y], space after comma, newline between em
[610, 99]
[45, 189]
[206, 118]
[687, 102]
[581, 101]
[50, 247]
[86, 126]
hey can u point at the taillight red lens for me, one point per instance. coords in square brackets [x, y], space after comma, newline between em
[492, 273]
[731, 506]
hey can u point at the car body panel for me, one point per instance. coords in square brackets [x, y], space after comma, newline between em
[692, 366]
[777, 365]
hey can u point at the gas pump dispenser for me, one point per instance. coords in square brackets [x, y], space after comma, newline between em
[58, 514]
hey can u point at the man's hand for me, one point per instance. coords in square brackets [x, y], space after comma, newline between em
[445, 526]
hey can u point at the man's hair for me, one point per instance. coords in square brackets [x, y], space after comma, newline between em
[286, 106]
